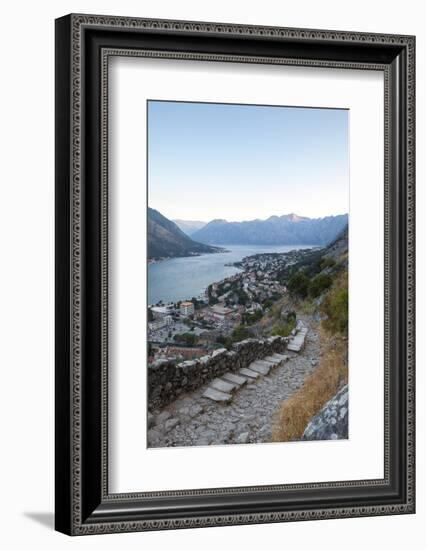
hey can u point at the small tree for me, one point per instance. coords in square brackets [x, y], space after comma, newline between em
[319, 284]
[298, 285]
[240, 333]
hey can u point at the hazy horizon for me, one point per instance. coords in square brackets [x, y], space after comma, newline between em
[211, 161]
[251, 219]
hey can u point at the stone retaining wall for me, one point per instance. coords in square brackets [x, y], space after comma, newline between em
[167, 378]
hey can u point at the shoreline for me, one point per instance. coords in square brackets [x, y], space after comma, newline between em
[195, 255]
[237, 265]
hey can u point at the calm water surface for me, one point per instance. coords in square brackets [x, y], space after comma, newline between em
[182, 278]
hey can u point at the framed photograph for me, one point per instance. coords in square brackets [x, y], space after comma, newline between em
[234, 274]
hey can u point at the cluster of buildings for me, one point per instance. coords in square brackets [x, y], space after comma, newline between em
[257, 283]
[224, 305]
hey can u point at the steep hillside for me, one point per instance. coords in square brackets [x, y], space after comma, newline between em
[166, 240]
[318, 291]
[276, 230]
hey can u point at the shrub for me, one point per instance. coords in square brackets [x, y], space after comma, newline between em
[240, 333]
[282, 329]
[242, 298]
[319, 284]
[335, 306]
[285, 325]
[186, 338]
[299, 284]
[224, 341]
[251, 318]
[327, 262]
[290, 317]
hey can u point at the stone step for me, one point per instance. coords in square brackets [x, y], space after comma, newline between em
[274, 360]
[248, 373]
[223, 385]
[264, 362]
[283, 358]
[294, 347]
[234, 378]
[298, 342]
[216, 395]
[262, 367]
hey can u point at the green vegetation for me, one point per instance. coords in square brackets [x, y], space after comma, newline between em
[240, 333]
[242, 297]
[317, 276]
[285, 324]
[212, 299]
[319, 284]
[307, 279]
[335, 306]
[150, 350]
[252, 318]
[186, 338]
[290, 317]
[223, 340]
[309, 307]
[282, 329]
[298, 285]
[327, 262]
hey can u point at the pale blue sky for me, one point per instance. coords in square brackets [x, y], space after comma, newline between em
[241, 162]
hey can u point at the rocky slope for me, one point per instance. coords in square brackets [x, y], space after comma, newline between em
[332, 421]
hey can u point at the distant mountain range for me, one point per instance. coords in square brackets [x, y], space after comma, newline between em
[189, 226]
[166, 240]
[276, 230]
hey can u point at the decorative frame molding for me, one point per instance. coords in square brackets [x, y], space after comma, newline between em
[84, 44]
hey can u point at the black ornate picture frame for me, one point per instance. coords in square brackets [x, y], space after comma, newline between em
[84, 44]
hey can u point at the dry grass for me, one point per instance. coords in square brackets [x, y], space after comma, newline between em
[318, 388]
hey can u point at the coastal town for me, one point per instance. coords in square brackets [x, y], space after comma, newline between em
[226, 312]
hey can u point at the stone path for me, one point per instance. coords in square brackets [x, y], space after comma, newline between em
[221, 389]
[298, 342]
[238, 407]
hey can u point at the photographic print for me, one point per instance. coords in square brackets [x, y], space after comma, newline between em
[248, 259]
[223, 193]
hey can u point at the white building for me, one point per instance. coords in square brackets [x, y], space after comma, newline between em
[161, 311]
[165, 321]
[186, 308]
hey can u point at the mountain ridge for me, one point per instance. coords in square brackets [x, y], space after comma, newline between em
[167, 240]
[275, 230]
